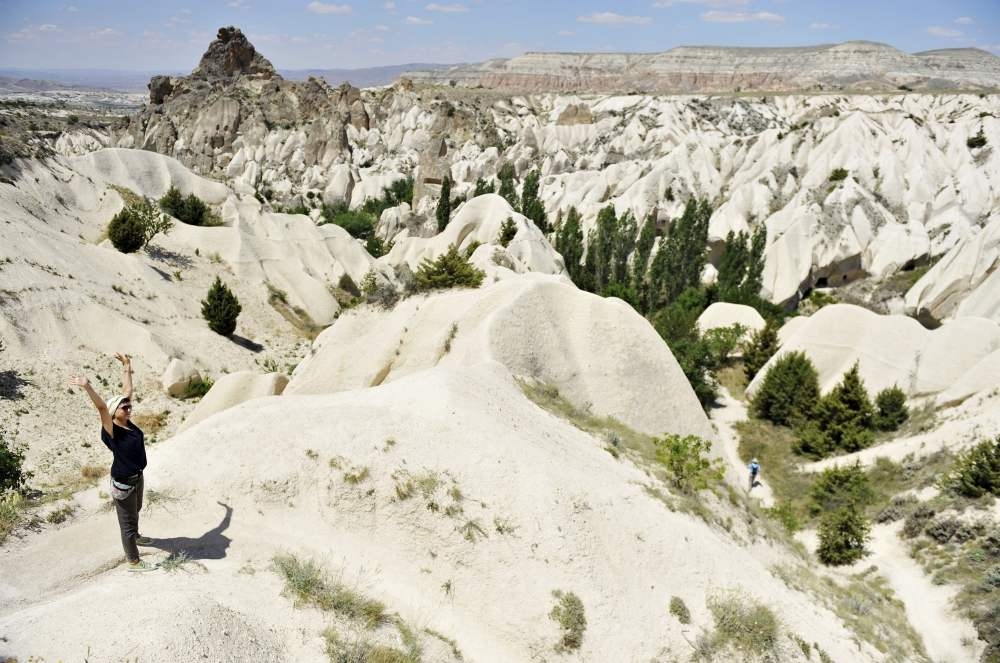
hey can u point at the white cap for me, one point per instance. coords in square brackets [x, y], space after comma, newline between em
[114, 402]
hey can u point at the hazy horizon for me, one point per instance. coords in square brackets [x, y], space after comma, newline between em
[172, 35]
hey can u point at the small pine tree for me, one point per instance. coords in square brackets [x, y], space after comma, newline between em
[152, 220]
[172, 202]
[220, 308]
[842, 537]
[977, 141]
[449, 270]
[443, 212]
[789, 391]
[126, 231]
[193, 211]
[846, 415]
[760, 348]
[507, 231]
[891, 411]
[977, 471]
[839, 487]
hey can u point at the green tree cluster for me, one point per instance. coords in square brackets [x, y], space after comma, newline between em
[843, 534]
[190, 209]
[741, 267]
[568, 240]
[531, 204]
[221, 308]
[483, 187]
[449, 270]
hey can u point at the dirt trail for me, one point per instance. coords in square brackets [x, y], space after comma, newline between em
[928, 606]
[729, 412]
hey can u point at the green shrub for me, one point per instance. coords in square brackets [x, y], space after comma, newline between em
[687, 462]
[917, 520]
[507, 231]
[723, 341]
[789, 390]
[449, 270]
[977, 141]
[891, 411]
[72, 119]
[977, 471]
[172, 201]
[838, 175]
[680, 610]
[357, 223]
[13, 476]
[568, 611]
[190, 210]
[347, 284]
[840, 487]
[397, 193]
[483, 187]
[308, 584]
[760, 347]
[220, 308]
[378, 291]
[842, 537]
[126, 231]
[747, 625]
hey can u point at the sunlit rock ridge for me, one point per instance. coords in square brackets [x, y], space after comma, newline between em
[852, 65]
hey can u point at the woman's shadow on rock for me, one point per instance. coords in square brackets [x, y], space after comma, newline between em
[210, 545]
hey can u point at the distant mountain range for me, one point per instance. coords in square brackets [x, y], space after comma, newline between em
[40, 80]
[853, 65]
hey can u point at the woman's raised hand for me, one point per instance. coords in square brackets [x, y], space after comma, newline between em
[79, 381]
[124, 359]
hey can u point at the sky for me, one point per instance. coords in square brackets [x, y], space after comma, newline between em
[171, 35]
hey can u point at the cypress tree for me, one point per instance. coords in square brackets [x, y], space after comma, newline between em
[640, 260]
[569, 242]
[444, 204]
[483, 187]
[506, 176]
[531, 205]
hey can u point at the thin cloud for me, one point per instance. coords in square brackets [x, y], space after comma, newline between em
[611, 18]
[317, 7]
[238, 4]
[565, 33]
[72, 8]
[947, 33]
[416, 20]
[454, 8]
[104, 33]
[964, 20]
[390, 7]
[660, 4]
[741, 17]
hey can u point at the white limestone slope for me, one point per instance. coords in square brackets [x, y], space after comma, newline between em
[581, 521]
[964, 282]
[599, 353]
[890, 350]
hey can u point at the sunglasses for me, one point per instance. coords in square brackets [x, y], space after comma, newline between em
[125, 406]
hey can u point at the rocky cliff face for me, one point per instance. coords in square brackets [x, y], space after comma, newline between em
[914, 189]
[234, 99]
[855, 65]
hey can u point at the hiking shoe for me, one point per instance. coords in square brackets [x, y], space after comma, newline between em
[143, 541]
[142, 565]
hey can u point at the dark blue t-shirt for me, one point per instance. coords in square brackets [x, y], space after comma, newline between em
[129, 449]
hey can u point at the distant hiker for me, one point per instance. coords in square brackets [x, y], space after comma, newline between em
[754, 472]
[125, 440]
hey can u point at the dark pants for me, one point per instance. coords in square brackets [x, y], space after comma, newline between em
[128, 520]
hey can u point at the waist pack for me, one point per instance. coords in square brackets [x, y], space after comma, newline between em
[121, 491]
